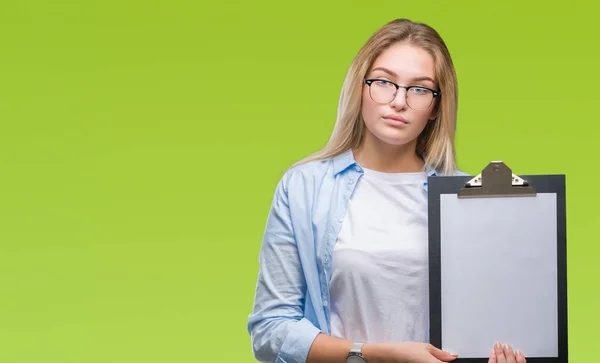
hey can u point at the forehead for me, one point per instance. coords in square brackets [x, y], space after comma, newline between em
[406, 61]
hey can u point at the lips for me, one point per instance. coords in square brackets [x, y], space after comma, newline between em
[396, 119]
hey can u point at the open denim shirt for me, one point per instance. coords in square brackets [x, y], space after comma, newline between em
[292, 302]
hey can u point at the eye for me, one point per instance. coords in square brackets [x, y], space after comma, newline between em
[420, 90]
[382, 83]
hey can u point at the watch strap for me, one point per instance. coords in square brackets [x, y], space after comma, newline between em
[357, 348]
[356, 351]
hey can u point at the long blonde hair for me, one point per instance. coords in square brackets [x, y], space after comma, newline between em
[436, 142]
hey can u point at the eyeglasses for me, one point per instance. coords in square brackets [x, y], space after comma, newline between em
[417, 97]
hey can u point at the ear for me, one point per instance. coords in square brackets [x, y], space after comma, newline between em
[434, 113]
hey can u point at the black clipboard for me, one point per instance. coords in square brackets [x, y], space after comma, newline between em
[458, 297]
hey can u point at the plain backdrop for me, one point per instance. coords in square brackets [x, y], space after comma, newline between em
[141, 142]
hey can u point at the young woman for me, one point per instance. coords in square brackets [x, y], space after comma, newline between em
[343, 264]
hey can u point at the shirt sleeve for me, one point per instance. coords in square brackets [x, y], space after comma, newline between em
[277, 326]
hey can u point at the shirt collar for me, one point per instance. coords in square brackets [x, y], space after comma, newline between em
[345, 160]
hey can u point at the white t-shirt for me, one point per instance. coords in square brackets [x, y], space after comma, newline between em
[379, 287]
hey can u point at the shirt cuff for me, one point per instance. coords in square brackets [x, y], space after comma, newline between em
[297, 344]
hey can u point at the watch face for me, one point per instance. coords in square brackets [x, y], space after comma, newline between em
[355, 359]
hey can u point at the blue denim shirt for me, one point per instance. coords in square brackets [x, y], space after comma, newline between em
[292, 302]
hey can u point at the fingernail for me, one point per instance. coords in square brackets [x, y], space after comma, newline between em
[518, 352]
[506, 347]
[453, 354]
[498, 345]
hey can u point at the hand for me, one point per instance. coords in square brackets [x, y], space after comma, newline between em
[406, 352]
[505, 354]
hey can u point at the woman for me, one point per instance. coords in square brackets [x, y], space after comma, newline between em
[343, 264]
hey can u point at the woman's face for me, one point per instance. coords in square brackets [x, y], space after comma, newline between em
[393, 121]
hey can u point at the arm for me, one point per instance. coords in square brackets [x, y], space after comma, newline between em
[277, 326]
[326, 349]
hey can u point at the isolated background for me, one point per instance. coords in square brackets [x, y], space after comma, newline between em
[141, 142]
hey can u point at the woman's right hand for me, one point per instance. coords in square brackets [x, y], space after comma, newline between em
[406, 352]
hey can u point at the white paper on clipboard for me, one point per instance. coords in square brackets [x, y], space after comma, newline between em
[498, 265]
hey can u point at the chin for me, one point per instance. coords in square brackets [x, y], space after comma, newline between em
[393, 138]
[396, 142]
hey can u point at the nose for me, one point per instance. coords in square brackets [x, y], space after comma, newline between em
[399, 102]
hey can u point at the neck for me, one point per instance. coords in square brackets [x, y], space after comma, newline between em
[388, 158]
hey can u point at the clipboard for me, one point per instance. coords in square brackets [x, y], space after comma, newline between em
[498, 264]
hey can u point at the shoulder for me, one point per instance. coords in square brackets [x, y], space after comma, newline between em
[307, 174]
[437, 172]
[459, 172]
[303, 185]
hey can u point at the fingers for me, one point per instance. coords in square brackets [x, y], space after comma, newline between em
[442, 355]
[500, 357]
[493, 358]
[509, 354]
[433, 359]
[505, 354]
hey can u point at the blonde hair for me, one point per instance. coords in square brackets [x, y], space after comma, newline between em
[436, 142]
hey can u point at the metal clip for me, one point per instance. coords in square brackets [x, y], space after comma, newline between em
[496, 180]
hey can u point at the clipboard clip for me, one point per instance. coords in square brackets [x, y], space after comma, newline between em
[497, 180]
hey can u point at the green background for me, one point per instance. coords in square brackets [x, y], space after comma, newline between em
[141, 142]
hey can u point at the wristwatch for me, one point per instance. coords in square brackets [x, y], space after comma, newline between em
[355, 355]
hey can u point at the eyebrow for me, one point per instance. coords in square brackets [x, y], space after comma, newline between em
[394, 74]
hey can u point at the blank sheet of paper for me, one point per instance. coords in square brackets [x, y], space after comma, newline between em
[499, 274]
